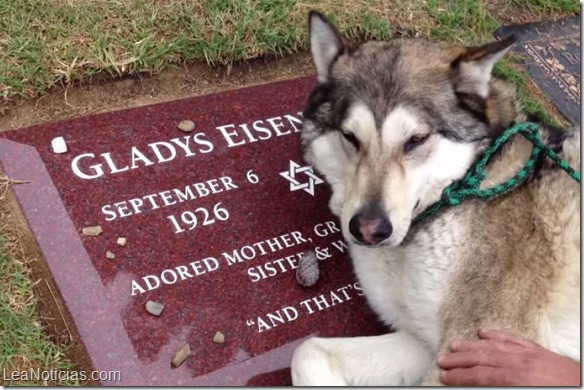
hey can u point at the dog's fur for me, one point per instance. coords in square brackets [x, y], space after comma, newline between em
[390, 125]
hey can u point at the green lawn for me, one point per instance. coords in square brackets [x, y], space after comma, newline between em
[24, 343]
[44, 43]
[54, 43]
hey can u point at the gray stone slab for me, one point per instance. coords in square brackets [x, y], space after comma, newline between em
[550, 54]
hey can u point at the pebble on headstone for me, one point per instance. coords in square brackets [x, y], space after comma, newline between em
[219, 338]
[122, 241]
[181, 355]
[110, 255]
[154, 308]
[186, 126]
[307, 272]
[92, 230]
[58, 145]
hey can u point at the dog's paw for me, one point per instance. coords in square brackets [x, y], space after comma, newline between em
[312, 366]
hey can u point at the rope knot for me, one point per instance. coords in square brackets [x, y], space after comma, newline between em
[474, 181]
[447, 193]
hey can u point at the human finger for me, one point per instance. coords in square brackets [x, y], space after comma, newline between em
[475, 345]
[475, 376]
[482, 357]
[506, 336]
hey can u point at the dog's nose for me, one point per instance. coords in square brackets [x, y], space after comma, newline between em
[370, 229]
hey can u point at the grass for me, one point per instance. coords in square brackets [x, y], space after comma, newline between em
[24, 343]
[543, 6]
[463, 21]
[56, 43]
[44, 43]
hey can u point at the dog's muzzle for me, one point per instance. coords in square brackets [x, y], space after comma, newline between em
[370, 228]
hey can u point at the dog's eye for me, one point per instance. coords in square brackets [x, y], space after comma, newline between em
[416, 140]
[352, 139]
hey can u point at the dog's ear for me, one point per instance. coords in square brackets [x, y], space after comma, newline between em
[325, 44]
[474, 65]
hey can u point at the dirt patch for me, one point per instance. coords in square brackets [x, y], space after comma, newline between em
[177, 83]
[508, 13]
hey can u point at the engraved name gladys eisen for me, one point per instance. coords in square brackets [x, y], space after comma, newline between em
[90, 166]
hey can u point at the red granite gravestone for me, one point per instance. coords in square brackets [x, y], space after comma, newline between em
[215, 222]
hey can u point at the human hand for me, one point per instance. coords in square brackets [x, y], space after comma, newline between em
[505, 359]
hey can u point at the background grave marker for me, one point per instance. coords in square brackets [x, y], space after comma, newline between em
[551, 56]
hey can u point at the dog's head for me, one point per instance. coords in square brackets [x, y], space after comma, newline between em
[391, 124]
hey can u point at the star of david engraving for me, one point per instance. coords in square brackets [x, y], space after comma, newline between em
[292, 173]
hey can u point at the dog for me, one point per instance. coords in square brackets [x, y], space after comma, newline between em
[390, 125]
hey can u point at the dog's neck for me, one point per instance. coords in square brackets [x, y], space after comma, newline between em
[501, 110]
[503, 166]
[508, 162]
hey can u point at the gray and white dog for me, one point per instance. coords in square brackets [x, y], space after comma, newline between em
[390, 125]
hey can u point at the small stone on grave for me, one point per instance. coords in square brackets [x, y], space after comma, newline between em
[186, 126]
[110, 255]
[307, 273]
[154, 308]
[181, 355]
[219, 338]
[59, 146]
[92, 231]
[122, 241]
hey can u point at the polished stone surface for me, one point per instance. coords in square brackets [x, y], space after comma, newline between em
[215, 221]
[551, 56]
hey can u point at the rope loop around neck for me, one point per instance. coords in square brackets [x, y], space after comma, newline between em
[469, 185]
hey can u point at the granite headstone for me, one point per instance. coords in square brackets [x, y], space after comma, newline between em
[213, 223]
[550, 53]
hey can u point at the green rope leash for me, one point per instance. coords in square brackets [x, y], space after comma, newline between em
[469, 185]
